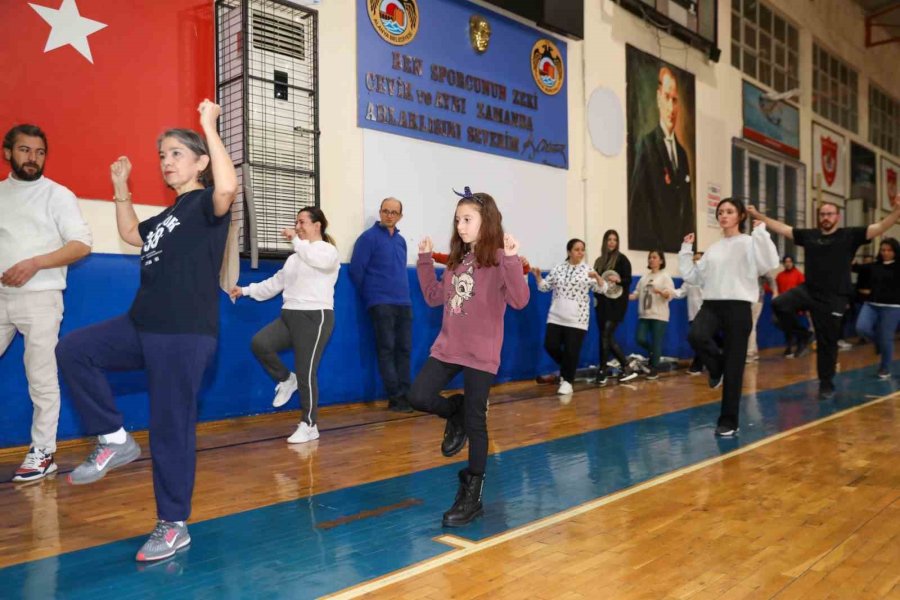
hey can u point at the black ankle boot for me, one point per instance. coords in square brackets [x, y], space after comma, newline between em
[468, 500]
[455, 430]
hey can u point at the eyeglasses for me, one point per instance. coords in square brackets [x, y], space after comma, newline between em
[828, 214]
[390, 213]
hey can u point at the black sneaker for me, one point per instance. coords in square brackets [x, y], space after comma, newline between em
[715, 381]
[726, 431]
[883, 374]
[826, 391]
[802, 347]
[652, 374]
[601, 379]
[788, 353]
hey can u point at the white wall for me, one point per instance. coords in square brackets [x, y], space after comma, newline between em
[592, 193]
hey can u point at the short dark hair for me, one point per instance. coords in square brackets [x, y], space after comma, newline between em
[395, 200]
[25, 129]
[828, 203]
[788, 256]
[893, 244]
[662, 258]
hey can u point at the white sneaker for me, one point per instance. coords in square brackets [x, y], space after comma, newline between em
[564, 387]
[304, 434]
[284, 391]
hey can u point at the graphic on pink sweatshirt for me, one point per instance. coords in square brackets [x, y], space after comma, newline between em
[463, 291]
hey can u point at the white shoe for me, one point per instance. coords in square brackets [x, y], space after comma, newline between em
[304, 434]
[284, 391]
[564, 387]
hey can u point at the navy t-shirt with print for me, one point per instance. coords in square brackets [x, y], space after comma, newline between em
[180, 262]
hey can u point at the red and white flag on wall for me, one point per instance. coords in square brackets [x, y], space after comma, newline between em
[104, 78]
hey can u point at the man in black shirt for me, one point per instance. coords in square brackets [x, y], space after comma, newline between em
[827, 289]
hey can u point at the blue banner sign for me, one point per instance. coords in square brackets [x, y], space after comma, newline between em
[451, 72]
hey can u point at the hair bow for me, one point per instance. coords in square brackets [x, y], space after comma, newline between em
[467, 193]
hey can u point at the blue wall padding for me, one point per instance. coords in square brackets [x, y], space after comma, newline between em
[103, 286]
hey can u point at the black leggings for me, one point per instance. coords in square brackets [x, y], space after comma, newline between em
[563, 344]
[425, 395]
[733, 318]
[608, 343]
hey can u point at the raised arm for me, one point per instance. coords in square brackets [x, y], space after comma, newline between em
[126, 219]
[516, 286]
[323, 257]
[690, 272]
[224, 177]
[774, 225]
[876, 229]
[765, 254]
[432, 289]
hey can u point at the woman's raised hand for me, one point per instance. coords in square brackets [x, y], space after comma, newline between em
[120, 170]
[425, 245]
[209, 113]
[689, 238]
[289, 233]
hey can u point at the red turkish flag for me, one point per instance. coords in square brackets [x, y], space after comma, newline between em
[153, 62]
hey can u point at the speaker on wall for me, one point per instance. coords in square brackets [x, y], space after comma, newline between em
[714, 53]
[563, 16]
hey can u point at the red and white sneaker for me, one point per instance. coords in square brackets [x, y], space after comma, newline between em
[37, 464]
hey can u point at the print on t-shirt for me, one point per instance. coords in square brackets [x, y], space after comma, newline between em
[149, 253]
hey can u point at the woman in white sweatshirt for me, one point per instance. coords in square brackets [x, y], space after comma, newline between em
[728, 273]
[567, 323]
[306, 283]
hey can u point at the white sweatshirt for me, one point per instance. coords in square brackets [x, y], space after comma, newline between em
[306, 280]
[694, 295]
[650, 304]
[38, 217]
[571, 302]
[730, 269]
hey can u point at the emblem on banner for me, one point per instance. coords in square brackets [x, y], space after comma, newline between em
[396, 21]
[547, 66]
[829, 159]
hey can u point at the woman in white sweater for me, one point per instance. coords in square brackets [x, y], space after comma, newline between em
[306, 283]
[571, 282]
[728, 273]
[653, 292]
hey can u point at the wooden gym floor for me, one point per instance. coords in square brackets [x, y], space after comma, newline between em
[615, 492]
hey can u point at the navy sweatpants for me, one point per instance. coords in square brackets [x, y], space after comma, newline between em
[175, 364]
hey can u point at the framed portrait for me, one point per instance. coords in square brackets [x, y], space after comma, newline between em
[829, 171]
[863, 175]
[660, 114]
[888, 182]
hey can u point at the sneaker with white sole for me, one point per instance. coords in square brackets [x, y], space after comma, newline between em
[726, 431]
[37, 464]
[165, 539]
[304, 434]
[284, 391]
[564, 388]
[103, 459]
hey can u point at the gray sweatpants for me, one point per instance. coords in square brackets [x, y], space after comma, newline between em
[307, 332]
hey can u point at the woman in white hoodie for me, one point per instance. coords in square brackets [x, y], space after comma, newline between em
[306, 283]
[571, 282]
[729, 274]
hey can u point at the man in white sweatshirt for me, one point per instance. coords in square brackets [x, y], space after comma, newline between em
[41, 232]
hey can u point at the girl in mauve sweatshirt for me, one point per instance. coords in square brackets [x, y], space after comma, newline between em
[483, 275]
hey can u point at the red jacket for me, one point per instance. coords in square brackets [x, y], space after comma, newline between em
[789, 279]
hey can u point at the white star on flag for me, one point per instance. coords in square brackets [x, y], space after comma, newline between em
[68, 28]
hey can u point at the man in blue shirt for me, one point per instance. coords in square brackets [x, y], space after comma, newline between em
[378, 270]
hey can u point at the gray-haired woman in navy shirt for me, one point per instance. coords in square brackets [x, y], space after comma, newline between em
[170, 331]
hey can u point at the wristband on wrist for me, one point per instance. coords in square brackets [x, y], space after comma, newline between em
[125, 199]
